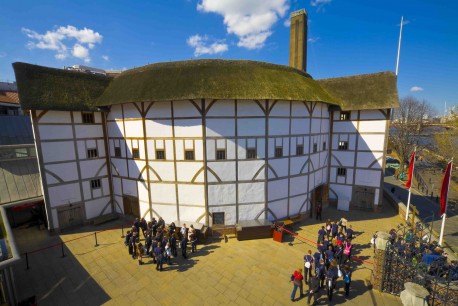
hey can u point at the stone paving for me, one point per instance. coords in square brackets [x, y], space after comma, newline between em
[254, 272]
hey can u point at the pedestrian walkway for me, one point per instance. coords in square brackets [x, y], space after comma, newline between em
[253, 272]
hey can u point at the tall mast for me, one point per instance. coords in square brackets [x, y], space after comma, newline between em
[399, 46]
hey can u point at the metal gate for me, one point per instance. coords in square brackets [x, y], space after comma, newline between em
[69, 217]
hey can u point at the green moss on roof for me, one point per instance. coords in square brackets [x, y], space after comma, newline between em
[48, 88]
[213, 79]
[365, 91]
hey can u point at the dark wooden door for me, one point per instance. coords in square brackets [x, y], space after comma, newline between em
[69, 217]
[131, 206]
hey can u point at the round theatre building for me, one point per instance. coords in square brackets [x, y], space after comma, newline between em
[209, 141]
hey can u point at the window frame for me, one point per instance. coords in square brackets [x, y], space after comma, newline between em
[116, 151]
[251, 153]
[315, 147]
[220, 214]
[324, 146]
[278, 152]
[92, 153]
[341, 171]
[345, 116]
[343, 145]
[160, 154]
[136, 153]
[87, 118]
[300, 149]
[96, 184]
[219, 153]
[186, 152]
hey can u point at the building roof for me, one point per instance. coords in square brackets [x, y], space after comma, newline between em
[364, 91]
[9, 97]
[49, 88]
[19, 180]
[15, 130]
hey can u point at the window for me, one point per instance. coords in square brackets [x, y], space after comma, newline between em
[117, 152]
[315, 148]
[324, 145]
[344, 115]
[87, 117]
[299, 149]
[95, 184]
[278, 151]
[218, 218]
[160, 154]
[92, 153]
[135, 153]
[251, 153]
[343, 145]
[189, 155]
[221, 154]
[341, 171]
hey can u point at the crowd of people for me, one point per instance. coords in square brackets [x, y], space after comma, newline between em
[160, 241]
[328, 263]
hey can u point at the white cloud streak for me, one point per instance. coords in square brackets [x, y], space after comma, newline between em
[313, 39]
[251, 21]
[201, 46]
[61, 40]
[320, 4]
[106, 58]
[416, 88]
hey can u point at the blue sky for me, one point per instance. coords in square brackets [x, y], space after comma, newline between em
[345, 37]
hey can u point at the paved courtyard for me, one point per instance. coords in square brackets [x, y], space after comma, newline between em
[254, 272]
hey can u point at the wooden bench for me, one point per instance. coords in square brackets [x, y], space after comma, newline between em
[104, 218]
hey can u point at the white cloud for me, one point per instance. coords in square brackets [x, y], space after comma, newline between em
[287, 23]
[251, 21]
[200, 45]
[313, 39]
[416, 88]
[106, 57]
[60, 39]
[404, 22]
[320, 4]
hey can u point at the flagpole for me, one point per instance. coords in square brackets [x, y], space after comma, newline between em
[399, 46]
[446, 202]
[412, 160]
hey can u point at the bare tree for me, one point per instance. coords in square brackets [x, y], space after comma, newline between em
[446, 142]
[408, 122]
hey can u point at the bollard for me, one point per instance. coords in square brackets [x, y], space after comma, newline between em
[27, 260]
[62, 247]
[95, 234]
[122, 231]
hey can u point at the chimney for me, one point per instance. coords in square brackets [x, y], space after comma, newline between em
[298, 40]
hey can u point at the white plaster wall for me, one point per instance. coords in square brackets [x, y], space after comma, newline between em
[279, 208]
[65, 171]
[281, 108]
[251, 211]
[368, 177]
[118, 204]
[316, 126]
[89, 168]
[249, 108]
[134, 128]
[299, 109]
[278, 126]
[371, 114]
[342, 159]
[115, 129]
[117, 187]
[229, 213]
[298, 185]
[325, 125]
[280, 165]
[224, 170]
[277, 189]
[55, 117]
[220, 127]
[199, 150]
[158, 128]
[143, 192]
[163, 193]
[188, 127]
[365, 159]
[372, 126]
[188, 213]
[248, 169]
[342, 191]
[167, 212]
[221, 194]
[165, 170]
[135, 166]
[144, 210]
[220, 108]
[130, 111]
[371, 142]
[251, 126]
[120, 166]
[129, 187]
[64, 194]
[297, 163]
[160, 110]
[297, 205]
[300, 126]
[345, 126]
[55, 132]
[251, 192]
[94, 208]
[191, 194]
[186, 109]
[58, 151]
[88, 131]
[115, 112]
[187, 170]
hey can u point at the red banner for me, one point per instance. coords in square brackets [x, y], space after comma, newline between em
[411, 166]
[444, 188]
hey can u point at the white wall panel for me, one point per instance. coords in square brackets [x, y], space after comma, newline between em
[115, 112]
[135, 166]
[221, 108]
[365, 159]
[186, 109]
[261, 148]
[342, 159]
[118, 204]
[117, 188]
[230, 149]
[281, 108]
[300, 126]
[221, 194]
[298, 185]
[249, 108]
[342, 192]
[251, 127]
[187, 170]
[129, 187]
[325, 125]
[297, 163]
[278, 126]
[55, 131]
[144, 209]
[143, 191]
[130, 111]
[299, 109]
[368, 177]
[278, 189]
[164, 169]
[64, 194]
[249, 168]
[279, 208]
[55, 117]
[188, 127]
[345, 126]
[120, 165]
[251, 211]
[58, 151]
[191, 194]
[371, 142]
[87, 192]
[160, 110]
[88, 131]
[89, 168]
[163, 193]
[316, 125]
[372, 126]
[220, 127]
[296, 203]
[158, 128]
[371, 114]
[224, 170]
[167, 212]
[191, 213]
[280, 166]
[115, 129]
[134, 128]
[94, 208]
[251, 192]
[65, 171]
[230, 213]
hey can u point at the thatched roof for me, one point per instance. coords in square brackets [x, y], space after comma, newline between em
[365, 91]
[49, 88]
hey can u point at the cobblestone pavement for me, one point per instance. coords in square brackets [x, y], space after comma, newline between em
[254, 272]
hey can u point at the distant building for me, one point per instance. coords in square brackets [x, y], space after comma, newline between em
[9, 100]
[211, 141]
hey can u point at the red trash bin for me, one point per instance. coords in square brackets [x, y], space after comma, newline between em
[278, 235]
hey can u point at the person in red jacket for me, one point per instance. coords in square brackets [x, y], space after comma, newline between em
[297, 280]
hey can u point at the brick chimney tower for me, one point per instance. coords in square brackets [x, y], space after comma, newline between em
[298, 40]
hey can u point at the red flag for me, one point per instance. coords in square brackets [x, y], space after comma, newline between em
[411, 165]
[444, 188]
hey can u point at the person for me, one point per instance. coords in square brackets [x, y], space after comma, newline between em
[137, 225]
[343, 224]
[334, 229]
[347, 250]
[140, 250]
[329, 256]
[350, 232]
[320, 271]
[193, 242]
[308, 266]
[159, 256]
[338, 251]
[173, 244]
[330, 277]
[314, 289]
[297, 278]
[184, 231]
[321, 235]
[143, 226]
[346, 274]
[328, 229]
[191, 231]
[319, 209]
[168, 252]
[183, 246]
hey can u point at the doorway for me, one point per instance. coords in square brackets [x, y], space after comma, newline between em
[363, 197]
[70, 216]
[131, 206]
